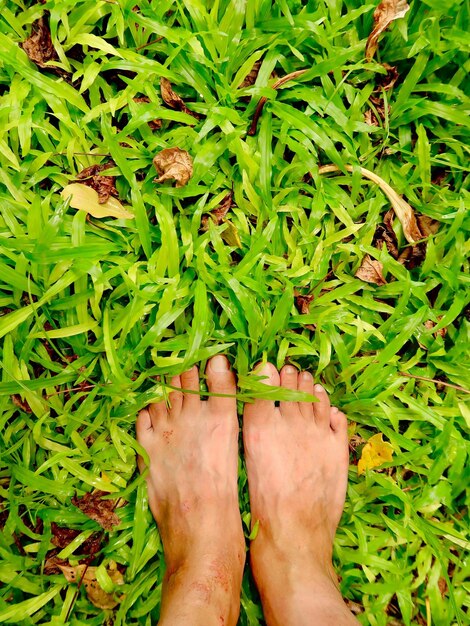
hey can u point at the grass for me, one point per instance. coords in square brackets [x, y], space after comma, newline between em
[94, 311]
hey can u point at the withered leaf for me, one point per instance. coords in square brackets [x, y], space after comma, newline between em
[61, 537]
[97, 508]
[385, 236]
[402, 209]
[103, 185]
[429, 324]
[371, 271]
[219, 213]
[173, 164]
[39, 46]
[303, 303]
[427, 225]
[387, 81]
[52, 565]
[252, 76]
[385, 13]
[173, 100]
[86, 575]
[20, 403]
[86, 199]
[153, 124]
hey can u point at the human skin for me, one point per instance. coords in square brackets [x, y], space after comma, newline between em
[296, 456]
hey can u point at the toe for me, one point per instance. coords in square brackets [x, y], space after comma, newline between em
[268, 376]
[176, 396]
[221, 380]
[158, 412]
[289, 380]
[306, 384]
[338, 421]
[190, 385]
[321, 409]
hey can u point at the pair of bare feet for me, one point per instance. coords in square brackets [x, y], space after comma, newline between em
[296, 460]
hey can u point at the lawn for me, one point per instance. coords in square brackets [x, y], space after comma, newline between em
[254, 249]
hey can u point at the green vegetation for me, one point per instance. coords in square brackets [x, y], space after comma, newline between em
[97, 313]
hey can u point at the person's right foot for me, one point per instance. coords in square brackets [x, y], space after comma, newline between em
[297, 463]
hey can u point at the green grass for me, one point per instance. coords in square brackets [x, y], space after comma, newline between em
[93, 311]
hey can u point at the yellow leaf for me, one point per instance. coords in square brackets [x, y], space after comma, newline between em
[231, 236]
[86, 199]
[374, 453]
[402, 209]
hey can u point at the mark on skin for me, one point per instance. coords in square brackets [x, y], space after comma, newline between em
[167, 434]
[222, 620]
[202, 591]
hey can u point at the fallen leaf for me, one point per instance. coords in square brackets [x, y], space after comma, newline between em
[385, 13]
[153, 124]
[86, 575]
[386, 81]
[252, 76]
[429, 324]
[86, 199]
[371, 271]
[173, 164]
[173, 100]
[303, 303]
[62, 536]
[260, 106]
[374, 453]
[97, 508]
[219, 213]
[39, 46]
[385, 236]
[103, 185]
[20, 403]
[403, 210]
[427, 225]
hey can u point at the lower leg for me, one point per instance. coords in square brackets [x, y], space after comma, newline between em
[192, 486]
[297, 461]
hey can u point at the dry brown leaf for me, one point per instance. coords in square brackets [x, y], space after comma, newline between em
[86, 199]
[219, 213]
[386, 12]
[260, 106]
[173, 100]
[39, 46]
[303, 303]
[173, 164]
[86, 575]
[386, 236]
[403, 210]
[371, 271]
[427, 225]
[103, 185]
[97, 508]
[20, 403]
[153, 124]
[252, 76]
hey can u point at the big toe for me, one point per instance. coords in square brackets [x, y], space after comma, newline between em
[221, 381]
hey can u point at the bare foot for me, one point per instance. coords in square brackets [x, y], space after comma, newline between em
[297, 463]
[192, 487]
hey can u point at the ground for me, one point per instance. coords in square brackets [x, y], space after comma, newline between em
[253, 249]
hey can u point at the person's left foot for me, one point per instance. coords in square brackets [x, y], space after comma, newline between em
[192, 484]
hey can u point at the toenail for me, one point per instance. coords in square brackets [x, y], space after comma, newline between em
[306, 376]
[219, 364]
[318, 389]
[335, 409]
[290, 369]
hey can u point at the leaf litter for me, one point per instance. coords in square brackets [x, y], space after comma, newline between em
[105, 186]
[86, 575]
[173, 100]
[85, 198]
[374, 453]
[96, 507]
[173, 164]
[39, 47]
[385, 13]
